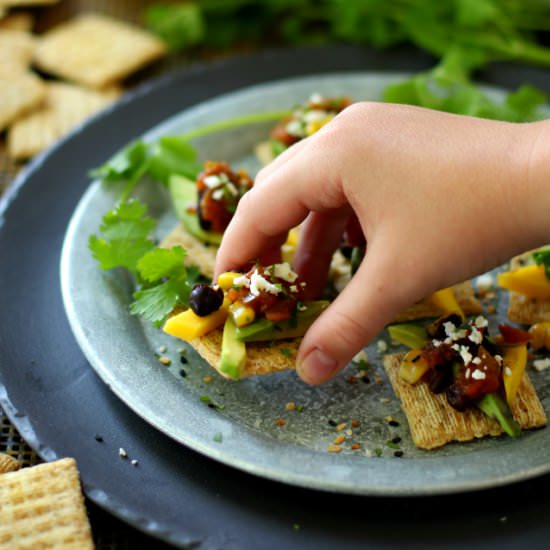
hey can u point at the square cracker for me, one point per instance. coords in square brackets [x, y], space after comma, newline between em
[433, 422]
[96, 50]
[16, 51]
[43, 507]
[65, 107]
[19, 94]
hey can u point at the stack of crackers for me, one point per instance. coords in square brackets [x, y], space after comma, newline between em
[50, 83]
[42, 506]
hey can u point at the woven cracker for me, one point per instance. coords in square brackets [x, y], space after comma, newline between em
[433, 422]
[64, 108]
[17, 21]
[261, 358]
[8, 463]
[522, 309]
[464, 294]
[18, 95]
[43, 507]
[96, 50]
[16, 51]
[198, 253]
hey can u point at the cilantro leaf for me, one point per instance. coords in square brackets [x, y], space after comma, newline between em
[125, 236]
[124, 165]
[167, 283]
[542, 257]
[172, 155]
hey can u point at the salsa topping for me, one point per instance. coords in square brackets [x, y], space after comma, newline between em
[219, 191]
[462, 361]
[308, 118]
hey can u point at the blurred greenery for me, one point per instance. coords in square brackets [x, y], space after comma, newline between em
[462, 35]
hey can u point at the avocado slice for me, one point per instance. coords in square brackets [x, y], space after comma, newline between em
[233, 355]
[494, 406]
[261, 331]
[184, 193]
[409, 334]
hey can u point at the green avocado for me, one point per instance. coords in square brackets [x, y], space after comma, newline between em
[233, 355]
[412, 335]
[184, 194]
[265, 331]
[494, 406]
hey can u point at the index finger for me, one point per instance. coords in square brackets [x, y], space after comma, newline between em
[280, 200]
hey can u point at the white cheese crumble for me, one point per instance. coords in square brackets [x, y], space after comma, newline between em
[507, 371]
[243, 280]
[283, 271]
[465, 354]
[232, 189]
[541, 364]
[485, 282]
[467, 373]
[481, 322]
[475, 336]
[476, 360]
[259, 283]
[382, 346]
[361, 356]
[498, 359]
[122, 453]
[217, 194]
[315, 97]
[294, 128]
[478, 375]
[315, 115]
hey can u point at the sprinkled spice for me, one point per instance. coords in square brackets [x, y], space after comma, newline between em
[218, 437]
[290, 406]
[355, 446]
[393, 423]
[98, 438]
[334, 449]
[332, 423]
[365, 379]
[355, 423]
[389, 418]
[163, 360]
[183, 360]
[280, 422]
[207, 379]
[341, 426]
[183, 374]
[396, 439]
[300, 408]
[351, 380]
[339, 440]
[398, 454]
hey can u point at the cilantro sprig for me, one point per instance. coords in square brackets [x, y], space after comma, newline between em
[163, 280]
[542, 257]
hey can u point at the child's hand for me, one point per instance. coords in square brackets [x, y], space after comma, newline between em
[439, 197]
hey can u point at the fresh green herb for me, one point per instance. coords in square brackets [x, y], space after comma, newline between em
[205, 398]
[286, 352]
[300, 408]
[542, 257]
[362, 365]
[218, 437]
[378, 451]
[166, 283]
[179, 25]
[126, 236]
[126, 242]
[392, 445]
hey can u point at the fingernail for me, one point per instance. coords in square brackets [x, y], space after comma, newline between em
[317, 367]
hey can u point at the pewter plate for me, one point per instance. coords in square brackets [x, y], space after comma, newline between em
[241, 430]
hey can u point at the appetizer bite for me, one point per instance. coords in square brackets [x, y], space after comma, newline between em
[528, 281]
[458, 383]
[248, 323]
[205, 207]
[305, 120]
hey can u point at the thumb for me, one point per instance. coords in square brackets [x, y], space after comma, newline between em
[371, 299]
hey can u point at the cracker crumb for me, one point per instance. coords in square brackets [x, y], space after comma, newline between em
[163, 360]
[334, 449]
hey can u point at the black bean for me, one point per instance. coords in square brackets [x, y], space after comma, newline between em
[205, 299]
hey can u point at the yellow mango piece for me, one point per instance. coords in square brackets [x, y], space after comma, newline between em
[514, 363]
[187, 325]
[225, 280]
[289, 247]
[413, 366]
[445, 300]
[530, 280]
